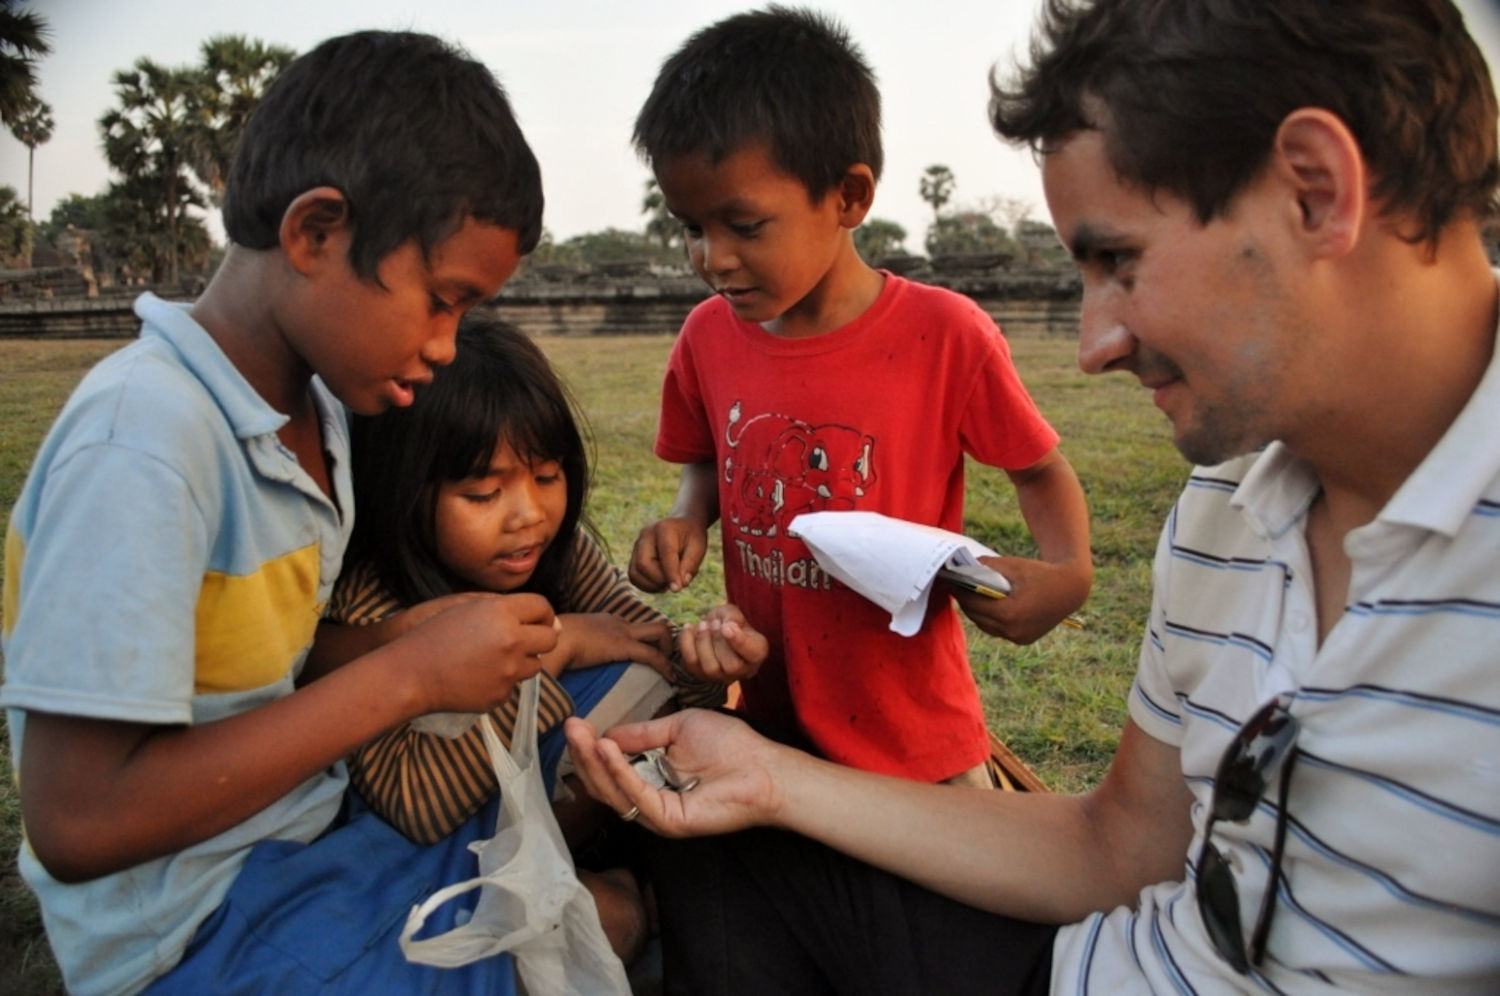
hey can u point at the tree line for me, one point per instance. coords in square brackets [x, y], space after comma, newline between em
[168, 140]
[171, 133]
[998, 228]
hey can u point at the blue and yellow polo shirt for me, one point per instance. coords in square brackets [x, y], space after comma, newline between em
[167, 562]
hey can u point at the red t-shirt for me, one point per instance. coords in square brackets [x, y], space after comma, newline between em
[876, 416]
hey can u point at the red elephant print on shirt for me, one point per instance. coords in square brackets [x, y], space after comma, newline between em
[779, 467]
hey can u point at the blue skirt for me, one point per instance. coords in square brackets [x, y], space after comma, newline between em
[326, 916]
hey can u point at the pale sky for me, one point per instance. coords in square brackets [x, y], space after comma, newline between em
[577, 72]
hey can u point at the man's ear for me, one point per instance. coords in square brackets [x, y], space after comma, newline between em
[1319, 156]
[310, 223]
[856, 193]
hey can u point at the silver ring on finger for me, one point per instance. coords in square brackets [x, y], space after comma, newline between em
[630, 814]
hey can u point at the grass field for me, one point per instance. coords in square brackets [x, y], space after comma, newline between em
[1059, 703]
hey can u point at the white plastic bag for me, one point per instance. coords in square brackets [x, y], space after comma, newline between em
[446, 724]
[531, 902]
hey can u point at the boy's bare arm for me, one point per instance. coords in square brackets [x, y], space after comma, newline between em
[668, 552]
[1043, 591]
[99, 796]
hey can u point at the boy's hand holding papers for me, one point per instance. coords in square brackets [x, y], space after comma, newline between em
[895, 563]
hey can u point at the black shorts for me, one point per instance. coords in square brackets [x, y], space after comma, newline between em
[765, 911]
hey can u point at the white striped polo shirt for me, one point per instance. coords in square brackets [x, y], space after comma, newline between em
[1392, 865]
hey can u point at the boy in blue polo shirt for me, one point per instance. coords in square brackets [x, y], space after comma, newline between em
[183, 523]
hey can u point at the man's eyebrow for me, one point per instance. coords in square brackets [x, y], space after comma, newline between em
[1089, 239]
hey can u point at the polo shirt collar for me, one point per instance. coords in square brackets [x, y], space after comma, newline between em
[1276, 491]
[248, 414]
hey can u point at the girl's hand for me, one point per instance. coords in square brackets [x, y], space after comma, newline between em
[1041, 596]
[590, 639]
[737, 786]
[722, 647]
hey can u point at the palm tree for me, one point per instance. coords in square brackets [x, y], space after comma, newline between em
[937, 187]
[33, 128]
[660, 226]
[15, 231]
[23, 40]
[147, 138]
[131, 232]
[236, 72]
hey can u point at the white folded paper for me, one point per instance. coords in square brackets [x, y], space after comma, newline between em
[891, 562]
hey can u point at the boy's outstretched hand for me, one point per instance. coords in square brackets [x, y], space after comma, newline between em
[668, 553]
[722, 646]
[1041, 596]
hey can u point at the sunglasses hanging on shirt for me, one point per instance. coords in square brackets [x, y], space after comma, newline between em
[1264, 745]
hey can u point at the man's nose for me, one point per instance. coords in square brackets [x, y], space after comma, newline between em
[1104, 341]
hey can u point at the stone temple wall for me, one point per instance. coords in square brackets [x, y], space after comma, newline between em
[1024, 303]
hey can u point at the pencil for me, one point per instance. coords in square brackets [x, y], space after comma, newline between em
[968, 584]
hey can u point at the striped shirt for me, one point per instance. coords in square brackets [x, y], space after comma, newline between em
[426, 785]
[1392, 866]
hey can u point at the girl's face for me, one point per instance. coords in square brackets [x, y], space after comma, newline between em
[492, 528]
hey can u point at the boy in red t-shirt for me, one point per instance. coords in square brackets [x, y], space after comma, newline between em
[811, 382]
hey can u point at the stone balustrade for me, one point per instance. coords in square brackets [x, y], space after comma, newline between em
[1024, 303]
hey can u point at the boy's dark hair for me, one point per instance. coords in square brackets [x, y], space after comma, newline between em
[790, 78]
[415, 134]
[498, 387]
[1189, 94]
